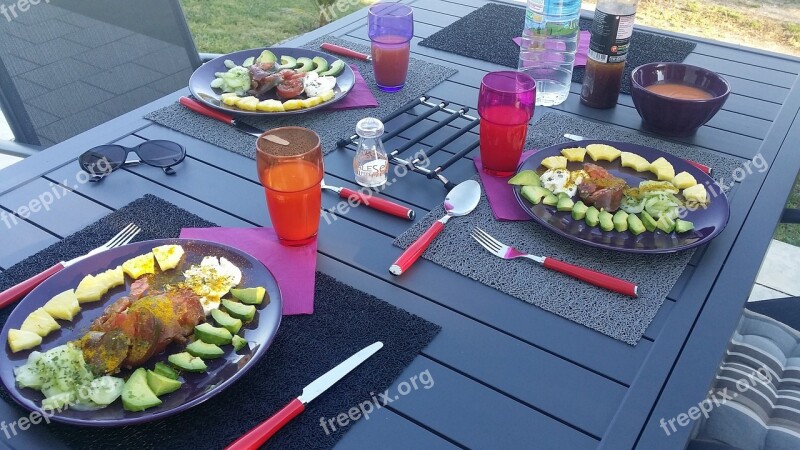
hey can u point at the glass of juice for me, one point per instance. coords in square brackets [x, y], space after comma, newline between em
[505, 104]
[290, 168]
[391, 27]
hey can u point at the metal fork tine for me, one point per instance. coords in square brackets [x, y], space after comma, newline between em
[130, 238]
[487, 244]
[120, 234]
[120, 240]
[490, 238]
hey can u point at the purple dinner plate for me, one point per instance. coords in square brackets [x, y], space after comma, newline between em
[200, 82]
[197, 387]
[708, 222]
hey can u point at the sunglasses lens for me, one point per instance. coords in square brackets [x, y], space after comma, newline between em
[102, 160]
[161, 153]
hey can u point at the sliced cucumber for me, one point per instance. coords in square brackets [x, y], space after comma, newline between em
[249, 61]
[105, 390]
[682, 226]
[665, 224]
[648, 221]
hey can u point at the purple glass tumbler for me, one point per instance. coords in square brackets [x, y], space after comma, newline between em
[505, 104]
[391, 27]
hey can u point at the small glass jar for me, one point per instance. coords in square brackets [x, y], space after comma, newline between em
[371, 164]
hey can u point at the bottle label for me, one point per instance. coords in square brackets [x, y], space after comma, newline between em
[611, 37]
[537, 25]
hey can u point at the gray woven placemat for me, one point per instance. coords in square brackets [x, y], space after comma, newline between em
[330, 125]
[612, 314]
[550, 130]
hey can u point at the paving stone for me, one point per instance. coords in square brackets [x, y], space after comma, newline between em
[780, 268]
[760, 292]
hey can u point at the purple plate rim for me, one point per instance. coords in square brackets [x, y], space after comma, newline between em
[699, 175]
[13, 391]
[212, 66]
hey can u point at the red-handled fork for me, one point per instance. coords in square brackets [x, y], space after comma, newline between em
[14, 293]
[599, 279]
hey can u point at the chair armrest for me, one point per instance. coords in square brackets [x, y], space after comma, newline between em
[16, 149]
[790, 216]
[206, 57]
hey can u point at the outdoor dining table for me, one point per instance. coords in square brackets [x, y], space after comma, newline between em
[507, 374]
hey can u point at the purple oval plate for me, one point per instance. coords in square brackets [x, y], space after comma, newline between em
[197, 387]
[200, 82]
[708, 222]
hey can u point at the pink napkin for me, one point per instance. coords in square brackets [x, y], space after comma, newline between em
[501, 194]
[583, 47]
[294, 268]
[359, 97]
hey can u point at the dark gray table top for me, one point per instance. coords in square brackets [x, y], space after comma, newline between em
[508, 375]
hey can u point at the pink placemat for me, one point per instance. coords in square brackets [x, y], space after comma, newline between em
[294, 268]
[583, 47]
[359, 97]
[501, 194]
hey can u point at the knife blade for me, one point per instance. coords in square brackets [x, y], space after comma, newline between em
[200, 108]
[258, 435]
[344, 51]
[703, 167]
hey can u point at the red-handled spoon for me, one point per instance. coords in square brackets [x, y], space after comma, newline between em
[460, 201]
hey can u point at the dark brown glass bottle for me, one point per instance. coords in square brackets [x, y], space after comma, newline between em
[611, 36]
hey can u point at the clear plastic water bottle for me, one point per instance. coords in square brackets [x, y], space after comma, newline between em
[371, 164]
[547, 50]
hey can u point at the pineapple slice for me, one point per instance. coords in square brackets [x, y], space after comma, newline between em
[312, 101]
[40, 322]
[140, 265]
[63, 306]
[90, 289]
[684, 180]
[327, 95]
[111, 278]
[270, 106]
[696, 194]
[634, 161]
[575, 154]
[602, 152]
[248, 103]
[20, 340]
[168, 256]
[555, 162]
[663, 169]
[229, 99]
[290, 105]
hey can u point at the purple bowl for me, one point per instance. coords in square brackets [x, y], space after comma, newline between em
[673, 116]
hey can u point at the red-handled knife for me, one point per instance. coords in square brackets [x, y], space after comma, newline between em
[207, 111]
[344, 51]
[258, 435]
[373, 202]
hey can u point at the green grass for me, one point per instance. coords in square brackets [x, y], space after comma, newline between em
[791, 233]
[224, 26]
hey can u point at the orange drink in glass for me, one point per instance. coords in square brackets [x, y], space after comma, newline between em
[290, 168]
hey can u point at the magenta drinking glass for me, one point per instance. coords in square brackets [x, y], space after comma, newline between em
[505, 104]
[391, 27]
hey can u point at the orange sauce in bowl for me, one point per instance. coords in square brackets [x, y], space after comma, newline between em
[679, 91]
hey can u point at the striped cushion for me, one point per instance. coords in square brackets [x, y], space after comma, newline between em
[761, 377]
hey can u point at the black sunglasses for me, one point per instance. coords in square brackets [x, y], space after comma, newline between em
[101, 161]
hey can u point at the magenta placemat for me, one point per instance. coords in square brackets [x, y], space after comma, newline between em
[501, 194]
[293, 267]
[360, 96]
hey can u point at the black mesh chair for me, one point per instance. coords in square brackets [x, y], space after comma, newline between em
[69, 65]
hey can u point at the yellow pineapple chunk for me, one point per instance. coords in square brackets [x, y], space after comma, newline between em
[290, 105]
[111, 278]
[168, 256]
[248, 103]
[270, 106]
[665, 173]
[684, 180]
[312, 101]
[602, 152]
[696, 194]
[229, 99]
[20, 340]
[140, 265]
[90, 289]
[575, 154]
[63, 306]
[40, 322]
[634, 161]
[327, 95]
[555, 162]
